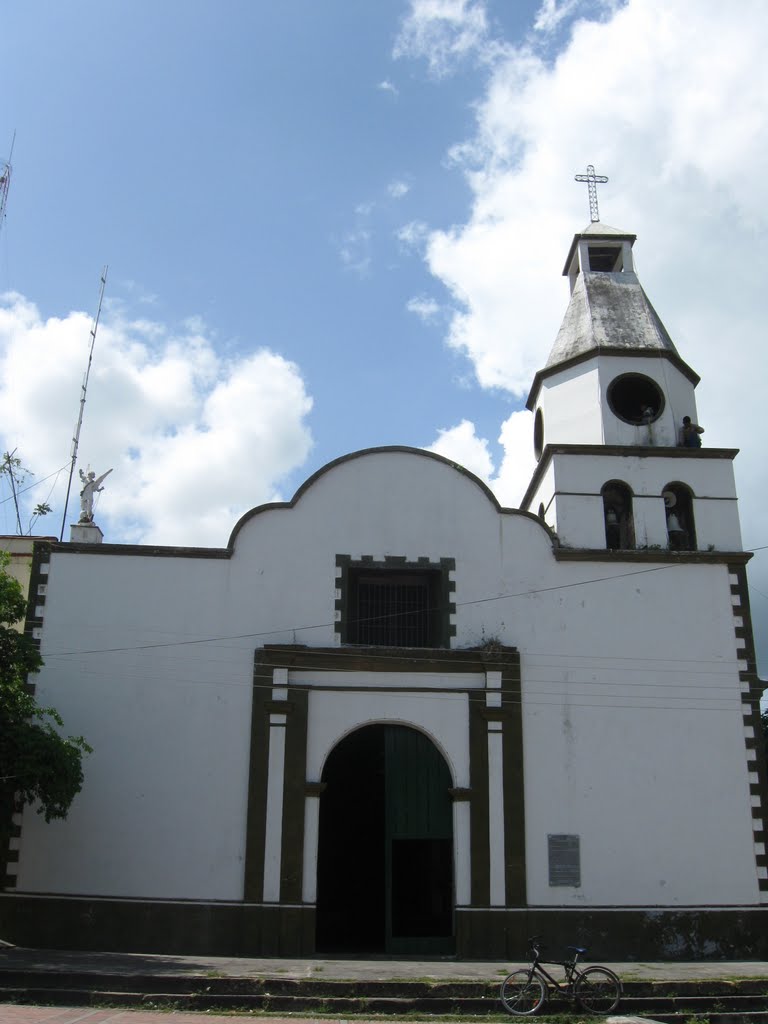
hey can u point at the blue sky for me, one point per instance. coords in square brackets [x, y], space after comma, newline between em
[235, 162]
[342, 224]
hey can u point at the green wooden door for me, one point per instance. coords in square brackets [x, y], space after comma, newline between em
[418, 844]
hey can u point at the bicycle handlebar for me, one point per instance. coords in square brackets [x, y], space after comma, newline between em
[535, 944]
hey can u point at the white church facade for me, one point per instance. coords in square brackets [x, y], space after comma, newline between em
[392, 716]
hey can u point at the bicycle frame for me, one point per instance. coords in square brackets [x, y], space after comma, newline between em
[569, 966]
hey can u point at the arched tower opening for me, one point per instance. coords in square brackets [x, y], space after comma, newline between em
[618, 516]
[681, 525]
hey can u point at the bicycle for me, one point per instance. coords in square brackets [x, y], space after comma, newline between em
[525, 992]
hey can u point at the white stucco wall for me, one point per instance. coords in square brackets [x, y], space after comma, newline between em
[545, 495]
[578, 480]
[622, 742]
[633, 736]
[575, 407]
[570, 405]
[162, 810]
[679, 395]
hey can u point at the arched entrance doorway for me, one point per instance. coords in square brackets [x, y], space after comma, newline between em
[385, 850]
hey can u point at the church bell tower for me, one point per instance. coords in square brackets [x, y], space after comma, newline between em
[613, 472]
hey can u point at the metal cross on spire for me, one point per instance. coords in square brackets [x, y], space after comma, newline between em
[592, 179]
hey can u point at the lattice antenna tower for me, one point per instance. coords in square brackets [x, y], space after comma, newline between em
[83, 393]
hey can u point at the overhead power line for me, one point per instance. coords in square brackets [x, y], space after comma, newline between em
[571, 695]
[282, 631]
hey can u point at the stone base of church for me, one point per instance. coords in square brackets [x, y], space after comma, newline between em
[241, 929]
[616, 934]
[183, 927]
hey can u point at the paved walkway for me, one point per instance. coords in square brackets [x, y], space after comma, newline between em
[85, 1015]
[16, 958]
[13, 958]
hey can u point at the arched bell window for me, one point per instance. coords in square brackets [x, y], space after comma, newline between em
[617, 513]
[681, 526]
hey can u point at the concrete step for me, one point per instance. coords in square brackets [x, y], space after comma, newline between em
[659, 1000]
[752, 1017]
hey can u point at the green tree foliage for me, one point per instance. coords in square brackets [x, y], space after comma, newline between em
[16, 474]
[37, 763]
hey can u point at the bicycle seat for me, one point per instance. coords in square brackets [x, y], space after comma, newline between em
[578, 949]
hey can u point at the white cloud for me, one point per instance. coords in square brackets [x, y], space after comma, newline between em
[137, 292]
[552, 13]
[414, 234]
[354, 247]
[398, 189]
[387, 86]
[538, 125]
[425, 308]
[518, 462]
[445, 32]
[194, 440]
[355, 251]
[461, 444]
[671, 102]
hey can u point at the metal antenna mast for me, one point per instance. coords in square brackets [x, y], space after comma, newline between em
[5, 182]
[83, 390]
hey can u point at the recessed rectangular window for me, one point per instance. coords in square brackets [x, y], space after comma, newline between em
[564, 860]
[395, 603]
[393, 609]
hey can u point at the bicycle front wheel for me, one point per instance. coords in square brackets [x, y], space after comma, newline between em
[598, 990]
[523, 993]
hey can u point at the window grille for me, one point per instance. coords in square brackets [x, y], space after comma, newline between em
[393, 609]
[395, 603]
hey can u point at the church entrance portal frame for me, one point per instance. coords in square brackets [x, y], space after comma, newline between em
[427, 869]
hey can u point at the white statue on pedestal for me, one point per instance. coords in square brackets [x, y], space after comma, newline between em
[90, 487]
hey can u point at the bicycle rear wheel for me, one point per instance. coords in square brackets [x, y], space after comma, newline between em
[598, 990]
[523, 993]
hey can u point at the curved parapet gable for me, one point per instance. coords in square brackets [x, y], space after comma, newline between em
[373, 452]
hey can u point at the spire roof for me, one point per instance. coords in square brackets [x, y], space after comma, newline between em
[608, 314]
[609, 311]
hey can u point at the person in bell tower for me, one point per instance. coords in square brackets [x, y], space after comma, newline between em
[690, 434]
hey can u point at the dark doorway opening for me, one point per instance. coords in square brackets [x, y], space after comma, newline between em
[385, 851]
